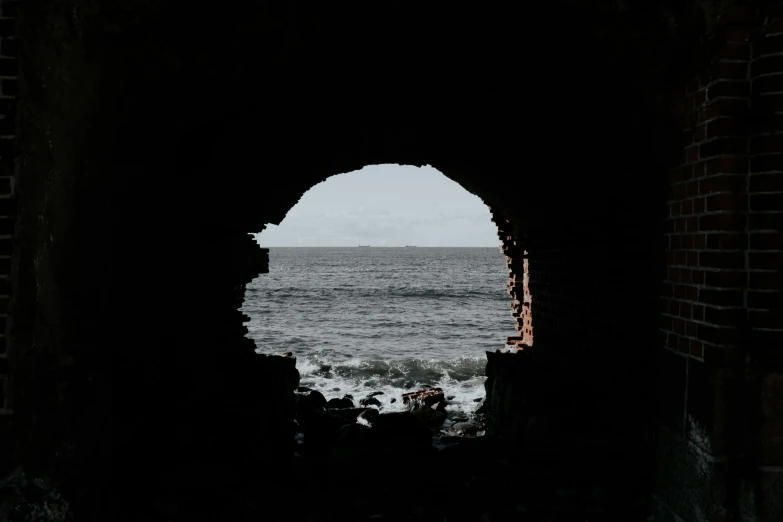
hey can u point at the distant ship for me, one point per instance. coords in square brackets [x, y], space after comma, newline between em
[410, 246]
[364, 246]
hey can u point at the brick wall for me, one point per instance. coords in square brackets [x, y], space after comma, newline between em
[721, 319]
[517, 262]
[8, 88]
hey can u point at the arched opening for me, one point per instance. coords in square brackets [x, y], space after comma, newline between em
[385, 281]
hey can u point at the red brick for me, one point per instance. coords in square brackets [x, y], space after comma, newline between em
[766, 281]
[723, 127]
[685, 310]
[697, 348]
[720, 336]
[762, 202]
[718, 202]
[698, 312]
[765, 261]
[768, 45]
[678, 326]
[692, 154]
[765, 300]
[718, 222]
[680, 225]
[722, 107]
[691, 293]
[732, 51]
[766, 221]
[726, 165]
[693, 224]
[697, 277]
[691, 329]
[766, 319]
[724, 316]
[767, 84]
[722, 279]
[766, 241]
[679, 258]
[698, 205]
[731, 88]
[737, 241]
[730, 260]
[692, 259]
[720, 297]
[769, 162]
[673, 275]
[679, 291]
[678, 191]
[687, 207]
[766, 65]
[699, 241]
[700, 98]
[675, 242]
[727, 71]
[768, 103]
[766, 144]
[722, 183]
[674, 209]
[766, 182]
[699, 134]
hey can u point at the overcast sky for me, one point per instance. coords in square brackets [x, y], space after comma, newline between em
[385, 205]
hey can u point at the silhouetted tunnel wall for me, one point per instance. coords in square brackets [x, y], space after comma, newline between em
[136, 200]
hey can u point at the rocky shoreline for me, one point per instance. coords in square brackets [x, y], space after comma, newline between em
[321, 424]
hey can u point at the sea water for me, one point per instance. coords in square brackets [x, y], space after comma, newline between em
[367, 319]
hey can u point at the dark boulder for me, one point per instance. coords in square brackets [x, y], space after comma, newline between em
[370, 401]
[339, 403]
[310, 400]
[401, 428]
[322, 431]
[373, 394]
[367, 417]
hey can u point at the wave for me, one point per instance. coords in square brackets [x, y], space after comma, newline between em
[462, 378]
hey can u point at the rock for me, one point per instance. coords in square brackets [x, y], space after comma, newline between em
[322, 431]
[370, 401]
[310, 400]
[450, 397]
[367, 417]
[303, 389]
[393, 401]
[426, 397]
[469, 429]
[339, 403]
[348, 396]
[349, 415]
[373, 394]
[352, 434]
[479, 399]
[400, 427]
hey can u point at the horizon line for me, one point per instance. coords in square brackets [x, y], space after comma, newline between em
[376, 246]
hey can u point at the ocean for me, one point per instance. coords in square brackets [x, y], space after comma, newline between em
[394, 320]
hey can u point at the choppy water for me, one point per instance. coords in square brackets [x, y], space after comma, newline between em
[384, 319]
